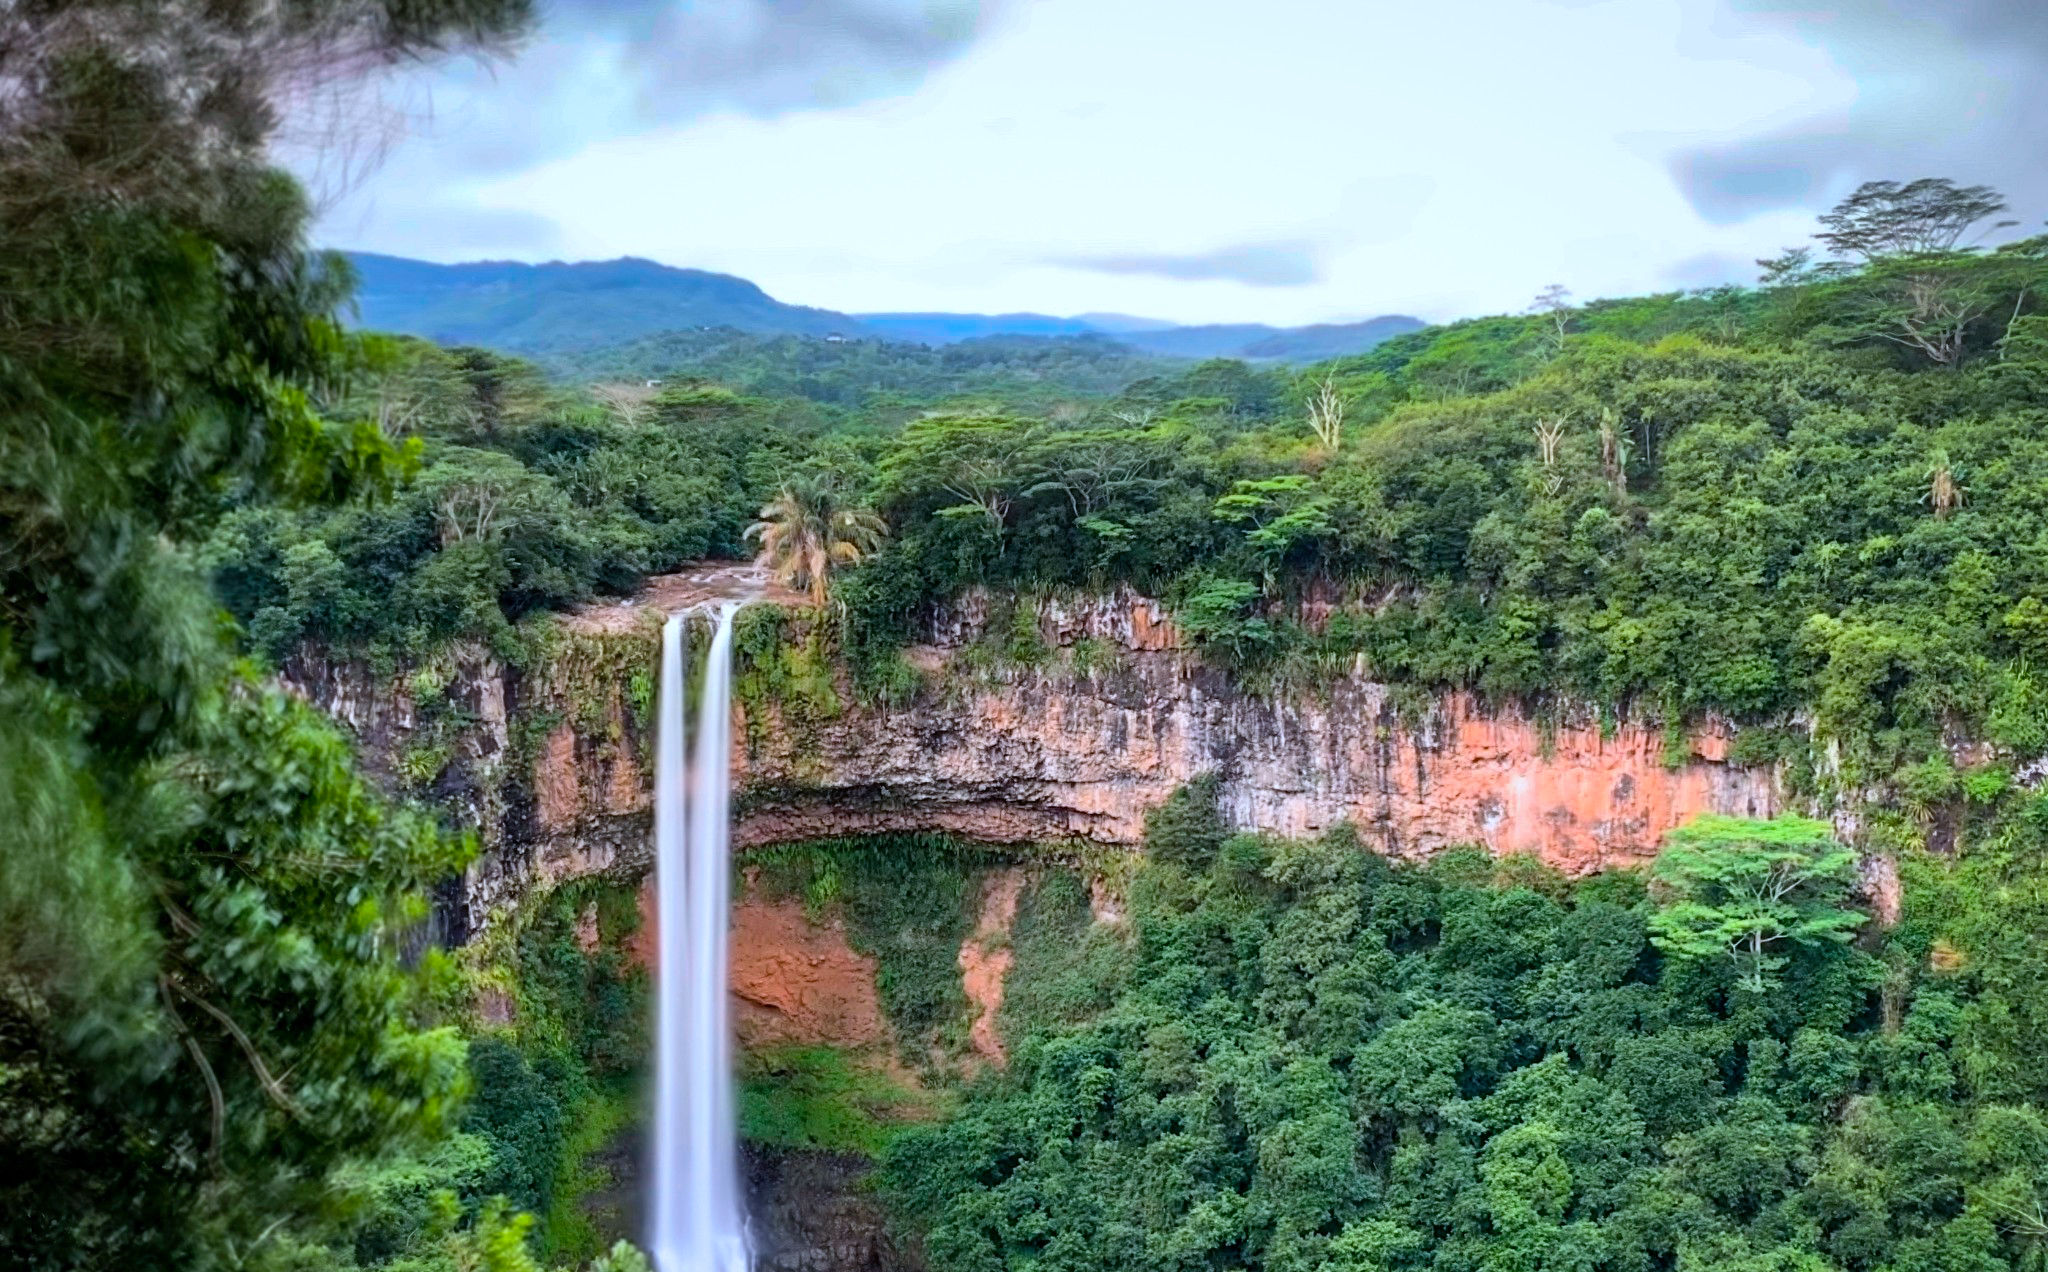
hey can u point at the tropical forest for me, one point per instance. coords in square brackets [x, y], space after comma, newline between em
[539, 768]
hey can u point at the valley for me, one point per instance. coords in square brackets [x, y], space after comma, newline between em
[593, 767]
[1065, 705]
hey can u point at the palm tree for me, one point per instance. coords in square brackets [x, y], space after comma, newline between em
[805, 533]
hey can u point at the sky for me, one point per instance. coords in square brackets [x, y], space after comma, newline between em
[1281, 161]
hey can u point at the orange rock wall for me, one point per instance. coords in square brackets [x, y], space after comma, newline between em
[1049, 753]
[797, 980]
[985, 961]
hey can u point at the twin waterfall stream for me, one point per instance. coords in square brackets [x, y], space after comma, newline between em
[696, 1224]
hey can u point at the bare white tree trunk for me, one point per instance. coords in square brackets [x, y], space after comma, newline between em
[1326, 413]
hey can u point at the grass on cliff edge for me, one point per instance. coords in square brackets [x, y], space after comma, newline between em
[820, 1098]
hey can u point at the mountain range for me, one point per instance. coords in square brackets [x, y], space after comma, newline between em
[559, 307]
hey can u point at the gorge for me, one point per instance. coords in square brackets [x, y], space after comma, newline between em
[1561, 789]
[1053, 762]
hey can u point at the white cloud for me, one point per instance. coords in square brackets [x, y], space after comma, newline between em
[1441, 158]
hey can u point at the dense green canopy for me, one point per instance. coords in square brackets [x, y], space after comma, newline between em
[1300, 1057]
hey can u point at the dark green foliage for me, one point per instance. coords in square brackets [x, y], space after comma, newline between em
[1309, 1058]
[524, 503]
[213, 1056]
[219, 998]
[400, 1203]
[1747, 890]
[1064, 966]
[586, 1005]
[1188, 829]
[876, 381]
[545, 1091]
[515, 1106]
[562, 1080]
[816, 1098]
[1750, 530]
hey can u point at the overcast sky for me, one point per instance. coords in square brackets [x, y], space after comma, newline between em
[1284, 161]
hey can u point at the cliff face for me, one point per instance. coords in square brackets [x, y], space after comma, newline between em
[1050, 757]
[1077, 745]
[1080, 748]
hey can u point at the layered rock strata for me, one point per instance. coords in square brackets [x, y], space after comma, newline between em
[1082, 743]
[1076, 745]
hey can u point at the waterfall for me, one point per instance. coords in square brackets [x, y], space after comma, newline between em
[695, 1203]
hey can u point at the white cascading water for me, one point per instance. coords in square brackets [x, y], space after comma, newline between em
[697, 1225]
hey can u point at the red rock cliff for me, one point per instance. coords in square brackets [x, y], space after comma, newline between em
[1080, 748]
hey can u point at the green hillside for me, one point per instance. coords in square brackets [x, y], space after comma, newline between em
[553, 307]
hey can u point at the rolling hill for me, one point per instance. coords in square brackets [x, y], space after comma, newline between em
[561, 309]
[536, 309]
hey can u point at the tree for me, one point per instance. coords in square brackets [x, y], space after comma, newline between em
[1094, 467]
[1326, 413]
[1548, 434]
[474, 493]
[510, 394]
[1919, 284]
[201, 1009]
[1278, 514]
[1790, 268]
[1554, 303]
[1223, 611]
[627, 400]
[1741, 888]
[806, 532]
[408, 387]
[1927, 217]
[981, 461]
[1926, 303]
[1615, 449]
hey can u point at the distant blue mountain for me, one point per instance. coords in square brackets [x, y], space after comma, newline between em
[1256, 342]
[938, 329]
[565, 308]
[1327, 340]
[1221, 340]
[1117, 324]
